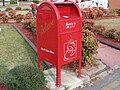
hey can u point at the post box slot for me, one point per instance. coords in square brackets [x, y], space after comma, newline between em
[67, 11]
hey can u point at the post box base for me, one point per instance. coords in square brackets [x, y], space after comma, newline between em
[69, 80]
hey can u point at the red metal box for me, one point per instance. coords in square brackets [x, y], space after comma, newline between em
[59, 35]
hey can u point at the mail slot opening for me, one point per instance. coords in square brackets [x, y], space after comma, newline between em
[67, 10]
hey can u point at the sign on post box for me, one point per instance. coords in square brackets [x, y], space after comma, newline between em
[59, 35]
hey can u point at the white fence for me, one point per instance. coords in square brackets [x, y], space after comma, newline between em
[93, 3]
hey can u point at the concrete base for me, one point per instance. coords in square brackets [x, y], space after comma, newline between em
[69, 79]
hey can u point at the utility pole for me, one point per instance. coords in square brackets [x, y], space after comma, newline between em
[3, 2]
[18, 2]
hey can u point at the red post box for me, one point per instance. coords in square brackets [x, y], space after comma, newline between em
[59, 35]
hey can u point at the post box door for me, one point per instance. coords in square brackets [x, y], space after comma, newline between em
[70, 47]
[70, 30]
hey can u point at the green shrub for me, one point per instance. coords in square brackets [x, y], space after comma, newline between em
[110, 33]
[5, 18]
[18, 8]
[13, 1]
[89, 47]
[29, 16]
[2, 14]
[99, 29]
[100, 13]
[12, 13]
[118, 36]
[118, 12]
[25, 77]
[8, 9]
[92, 13]
[112, 12]
[30, 25]
[19, 18]
[36, 1]
[106, 11]
[88, 24]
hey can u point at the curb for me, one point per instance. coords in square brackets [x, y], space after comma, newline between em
[105, 82]
[111, 45]
[30, 43]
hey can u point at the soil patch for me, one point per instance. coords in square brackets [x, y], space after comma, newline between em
[29, 34]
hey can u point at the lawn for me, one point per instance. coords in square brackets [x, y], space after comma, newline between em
[14, 51]
[109, 23]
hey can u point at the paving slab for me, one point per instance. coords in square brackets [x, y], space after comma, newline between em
[69, 79]
[93, 70]
[108, 55]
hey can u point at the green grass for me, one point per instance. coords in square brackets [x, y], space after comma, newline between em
[109, 23]
[14, 51]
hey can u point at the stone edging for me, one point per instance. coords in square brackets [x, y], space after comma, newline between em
[30, 43]
[47, 64]
[111, 45]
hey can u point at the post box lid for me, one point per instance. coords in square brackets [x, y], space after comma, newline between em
[68, 10]
[64, 10]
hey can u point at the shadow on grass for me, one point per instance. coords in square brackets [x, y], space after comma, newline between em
[3, 72]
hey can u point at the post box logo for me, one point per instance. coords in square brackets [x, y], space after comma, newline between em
[70, 50]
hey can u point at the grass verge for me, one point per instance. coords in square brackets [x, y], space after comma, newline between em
[109, 23]
[14, 51]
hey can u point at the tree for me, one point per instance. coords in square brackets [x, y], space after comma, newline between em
[3, 2]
